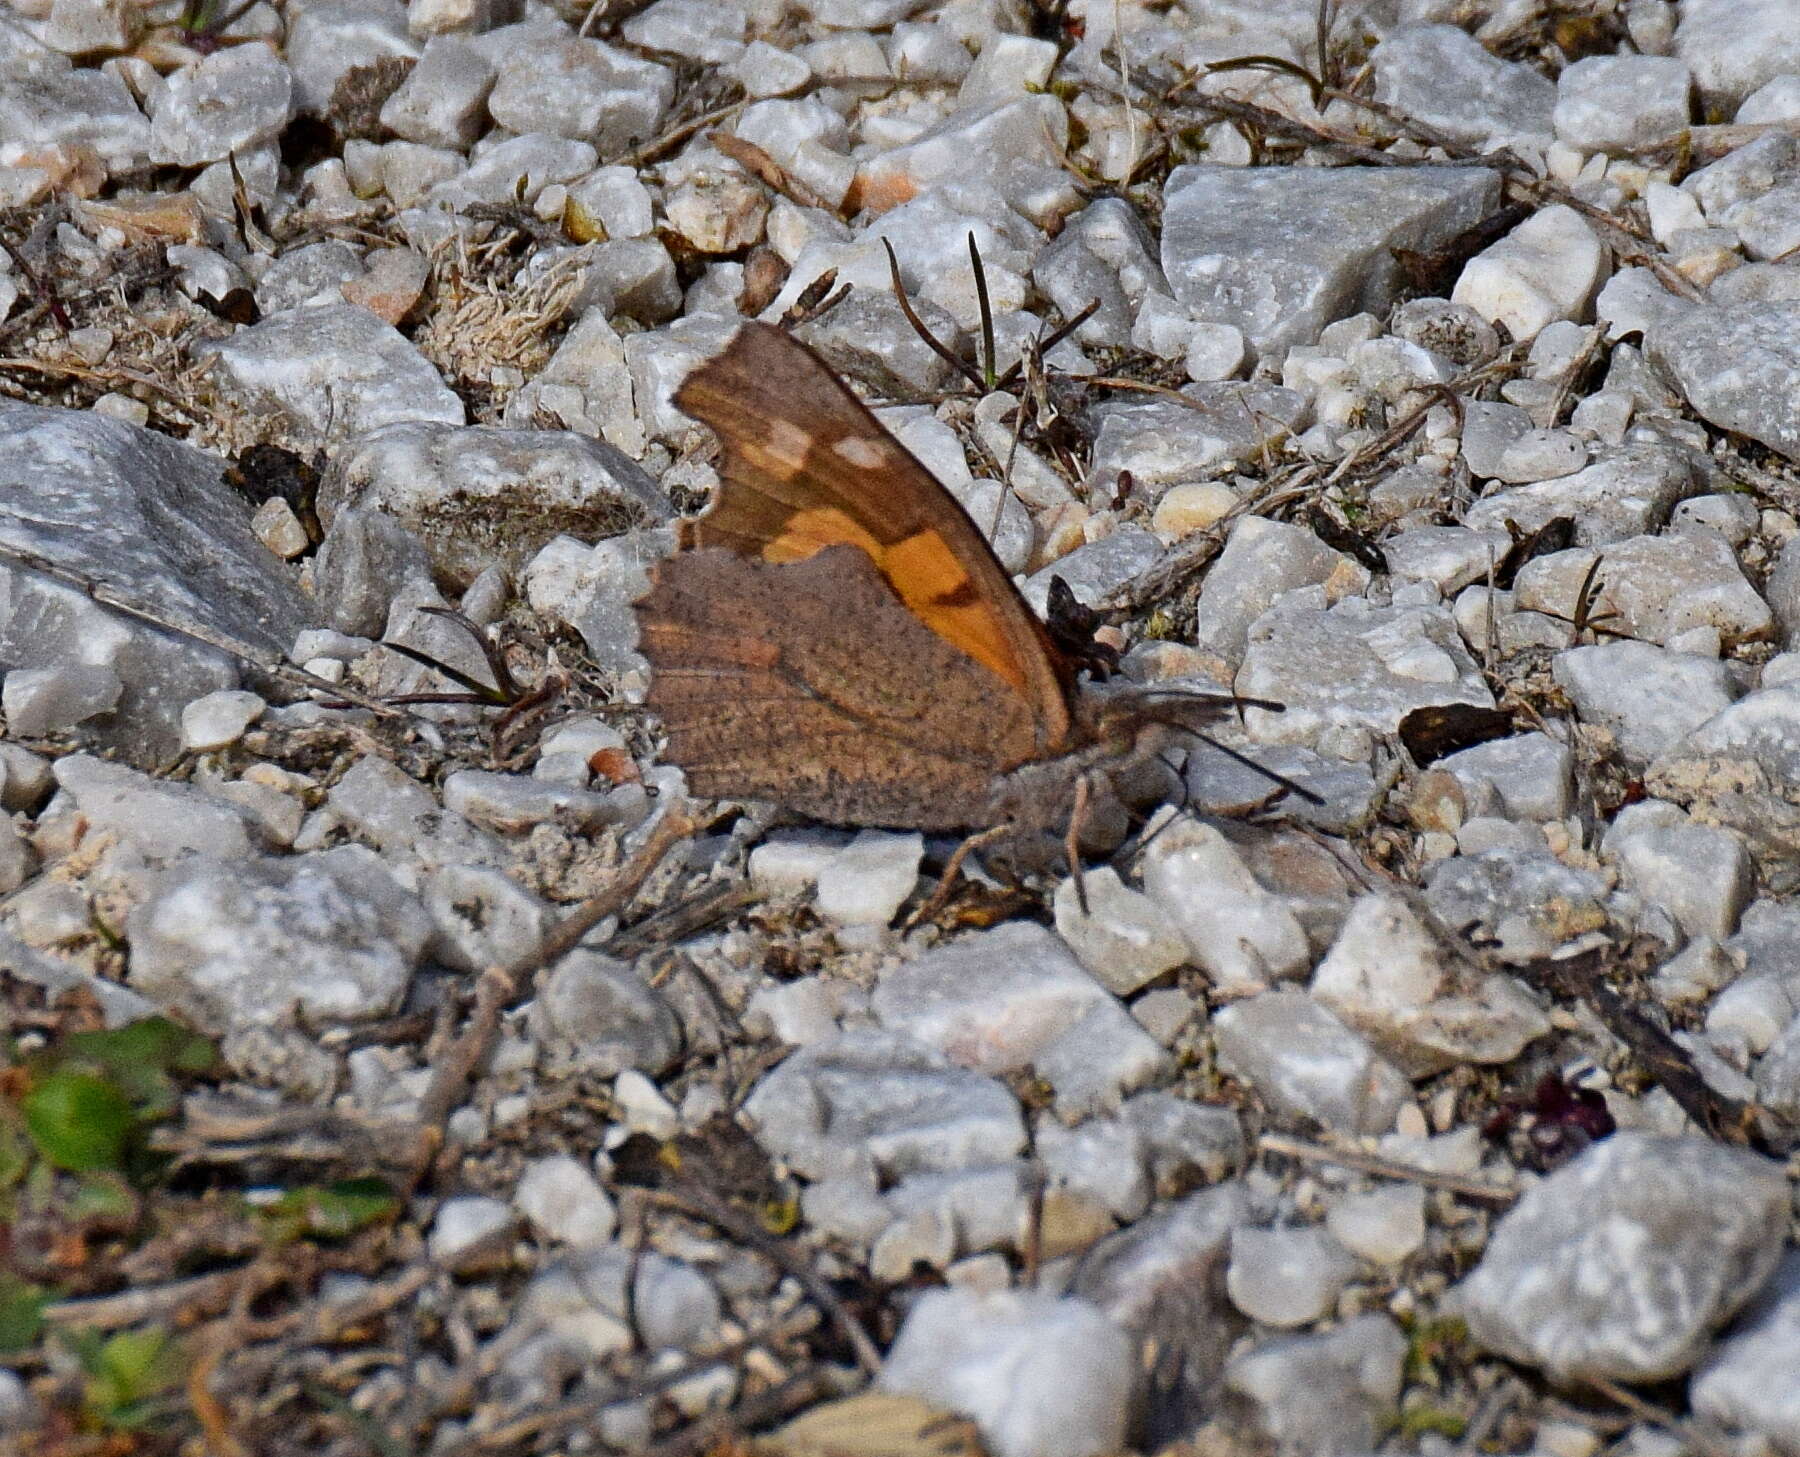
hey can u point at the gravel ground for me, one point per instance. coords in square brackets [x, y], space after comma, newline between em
[400, 1060]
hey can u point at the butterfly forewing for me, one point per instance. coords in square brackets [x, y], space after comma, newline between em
[807, 466]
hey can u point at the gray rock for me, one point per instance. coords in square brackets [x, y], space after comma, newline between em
[1621, 104]
[329, 39]
[335, 372]
[323, 938]
[1769, 226]
[1041, 1376]
[1334, 1392]
[482, 918]
[701, 30]
[1243, 936]
[25, 779]
[1546, 269]
[1386, 976]
[1490, 428]
[1648, 697]
[1746, 1383]
[867, 337]
[596, 1016]
[1746, 172]
[1542, 455]
[384, 804]
[1281, 252]
[516, 171]
[162, 818]
[512, 804]
[74, 108]
[1352, 793]
[56, 974]
[871, 1099]
[1618, 1266]
[1625, 492]
[43, 701]
[234, 100]
[464, 1228]
[1656, 587]
[1104, 253]
[1286, 1277]
[1012, 998]
[1262, 560]
[1738, 768]
[1188, 1143]
[552, 81]
[366, 562]
[592, 590]
[1520, 905]
[1097, 569]
[1305, 1063]
[1451, 331]
[442, 102]
[1103, 1162]
[1698, 874]
[1530, 773]
[1735, 46]
[564, 1202]
[1442, 76]
[1162, 442]
[607, 1300]
[1448, 557]
[313, 274]
[1739, 367]
[148, 518]
[1350, 673]
[1124, 938]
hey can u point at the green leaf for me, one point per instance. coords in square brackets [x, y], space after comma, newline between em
[130, 1368]
[142, 1059]
[78, 1121]
[331, 1211]
[21, 1312]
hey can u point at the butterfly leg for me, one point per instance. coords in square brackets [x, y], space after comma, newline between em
[940, 896]
[1072, 839]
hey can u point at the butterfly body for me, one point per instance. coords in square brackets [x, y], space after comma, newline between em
[836, 636]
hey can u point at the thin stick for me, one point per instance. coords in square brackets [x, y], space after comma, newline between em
[186, 627]
[702, 1203]
[1368, 1163]
[498, 985]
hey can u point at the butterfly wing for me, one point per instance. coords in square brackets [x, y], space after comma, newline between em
[810, 684]
[806, 466]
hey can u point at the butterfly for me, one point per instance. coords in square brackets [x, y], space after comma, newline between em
[834, 634]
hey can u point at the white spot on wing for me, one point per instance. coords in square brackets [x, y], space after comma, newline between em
[861, 452]
[786, 444]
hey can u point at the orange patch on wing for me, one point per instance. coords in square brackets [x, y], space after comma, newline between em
[923, 572]
[809, 532]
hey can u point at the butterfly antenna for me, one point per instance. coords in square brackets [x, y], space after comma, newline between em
[1267, 773]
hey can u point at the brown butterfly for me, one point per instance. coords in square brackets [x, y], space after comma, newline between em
[835, 635]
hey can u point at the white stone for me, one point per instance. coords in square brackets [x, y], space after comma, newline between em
[1243, 937]
[565, 1202]
[464, 1223]
[1547, 268]
[865, 883]
[44, 701]
[1286, 1277]
[1385, 1226]
[1124, 937]
[1040, 1376]
[643, 1108]
[219, 719]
